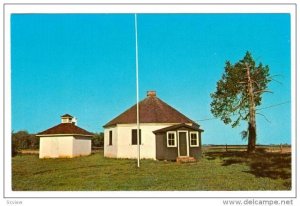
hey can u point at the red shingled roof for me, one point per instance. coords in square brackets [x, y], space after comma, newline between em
[152, 110]
[65, 128]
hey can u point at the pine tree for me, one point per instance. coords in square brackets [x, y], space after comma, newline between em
[238, 93]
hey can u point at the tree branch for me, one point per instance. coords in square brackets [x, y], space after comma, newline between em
[271, 79]
[262, 91]
[264, 117]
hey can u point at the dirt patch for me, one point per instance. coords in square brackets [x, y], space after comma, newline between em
[29, 152]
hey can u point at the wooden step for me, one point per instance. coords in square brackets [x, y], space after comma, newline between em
[185, 159]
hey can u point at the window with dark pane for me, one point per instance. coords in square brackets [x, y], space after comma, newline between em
[194, 141]
[134, 137]
[171, 139]
[110, 138]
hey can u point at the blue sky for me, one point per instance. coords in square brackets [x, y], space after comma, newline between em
[84, 65]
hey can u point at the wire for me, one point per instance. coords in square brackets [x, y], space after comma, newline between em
[268, 107]
[201, 120]
[274, 105]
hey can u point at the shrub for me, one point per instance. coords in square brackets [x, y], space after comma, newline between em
[98, 140]
[23, 140]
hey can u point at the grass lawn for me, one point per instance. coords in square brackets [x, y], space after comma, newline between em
[215, 171]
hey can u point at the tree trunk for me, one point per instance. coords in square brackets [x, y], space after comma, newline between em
[251, 138]
[252, 121]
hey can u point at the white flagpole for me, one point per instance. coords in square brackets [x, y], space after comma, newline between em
[137, 91]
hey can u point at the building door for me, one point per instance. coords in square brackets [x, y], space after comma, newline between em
[183, 150]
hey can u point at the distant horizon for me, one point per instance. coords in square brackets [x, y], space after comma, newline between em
[84, 65]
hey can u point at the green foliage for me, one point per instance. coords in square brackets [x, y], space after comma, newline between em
[230, 101]
[98, 139]
[244, 134]
[23, 140]
[96, 173]
[14, 147]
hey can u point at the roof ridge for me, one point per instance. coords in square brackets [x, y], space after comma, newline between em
[178, 126]
[66, 115]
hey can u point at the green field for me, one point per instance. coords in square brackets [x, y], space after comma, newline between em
[215, 171]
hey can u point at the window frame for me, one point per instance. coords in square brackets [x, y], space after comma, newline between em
[110, 135]
[140, 136]
[197, 139]
[175, 138]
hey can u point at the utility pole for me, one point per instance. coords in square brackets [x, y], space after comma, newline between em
[137, 90]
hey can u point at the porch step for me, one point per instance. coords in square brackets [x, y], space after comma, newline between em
[185, 159]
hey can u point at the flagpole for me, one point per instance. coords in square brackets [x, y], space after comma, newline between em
[137, 91]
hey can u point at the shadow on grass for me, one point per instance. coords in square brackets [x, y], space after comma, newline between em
[261, 164]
